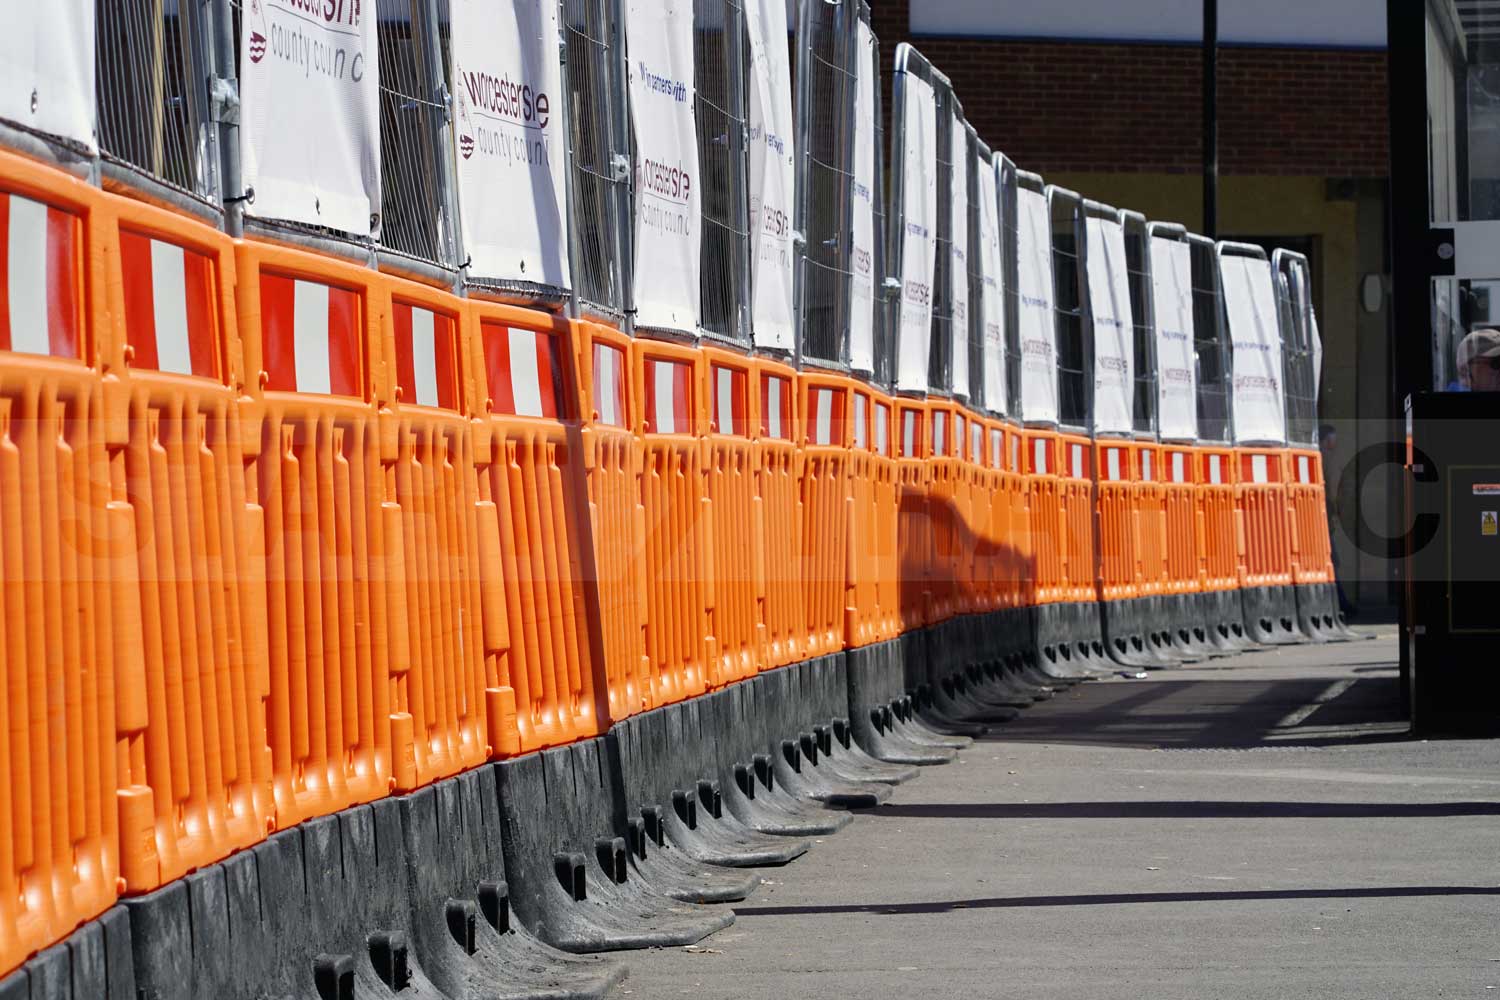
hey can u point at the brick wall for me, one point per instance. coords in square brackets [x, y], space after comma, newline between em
[1083, 106]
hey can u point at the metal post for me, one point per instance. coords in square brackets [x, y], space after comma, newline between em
[225, 104]
[570, 197]
[1211, 118]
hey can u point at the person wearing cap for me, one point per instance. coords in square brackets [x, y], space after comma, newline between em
[1479, 361]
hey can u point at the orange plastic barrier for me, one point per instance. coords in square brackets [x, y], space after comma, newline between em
[321, 470]
[949, 510]
[826, 532]
[887, 495]
[1045, 517]
[1218, 549]
[1262, 523]
[1179, 472]
[678, 554]
[869, 603]
[737, 528]
[196, 780]
[1312, 556]
[1118, 499]
[1080, 567]
[1008, 454]
[914, 559]
[612, 460]
[1152, 540]
[542, 656]
[70, 650]
[990, 517]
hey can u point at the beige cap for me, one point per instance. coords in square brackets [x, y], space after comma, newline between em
[1479, 344]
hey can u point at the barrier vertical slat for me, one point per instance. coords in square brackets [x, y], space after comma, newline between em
[733, 502]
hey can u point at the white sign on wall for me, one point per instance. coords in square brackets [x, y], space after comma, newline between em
[507, 84]
[1037, 329]
[309, 113]
[772, 175]
[667, 216]
[992, 288]
[958, 271]
[1176, 368]
[1255, 349]
[865, 285]
[918, 221]
[1114, 326]
[47, 68]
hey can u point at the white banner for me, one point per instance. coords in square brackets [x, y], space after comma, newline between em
[1114, 327]
[865, 284]
[667, 216]
[1176, 362]
[47, 67]
[992, 270]
[507, 94]
[918, 220]
[773, 177]
[310, 112]
[1038, 333]
[958, 272]
[1255, 340]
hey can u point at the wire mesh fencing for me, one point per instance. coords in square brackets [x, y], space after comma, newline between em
[885, 306]
[720, 61]
[1010, 263]
[940, 354]
[1209, 335]
[976, 169]
[1074, 351]
[153, 67]
[1143, 313]
[1294, 294]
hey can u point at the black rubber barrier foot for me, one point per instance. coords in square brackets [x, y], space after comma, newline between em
[92, 963]
[823, 684]
[1130, 636]
[670, 768]
[1071, 643]
[785, 716]
[917, 728]
[571, 880]
[1188, 628]
[874, 682]
[1318, 614]
[1226, 621]
[1271, 615]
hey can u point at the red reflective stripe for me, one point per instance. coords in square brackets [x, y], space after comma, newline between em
[62, 284]
[496, 339]
[343, 343]
[445, 359]
[406, 368]
[547, 374]
[198, 284]
[140, 309]
[278, 333]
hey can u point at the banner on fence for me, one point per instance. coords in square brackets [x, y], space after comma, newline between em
[309, 113]
[1255, 340]
[992, 287]
[1038, 335]
[918, 225]
[507, 89]
[958, 272]
[864, 283]
[773, 175]
[1114, 327]
[47, 68]
[667, 218]
[1176, 364]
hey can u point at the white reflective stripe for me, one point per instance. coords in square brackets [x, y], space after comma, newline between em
[310, 336]
[995, 438]
[1214, 476]
[424, 357]
[824, 409]
[666, 420]
[1113, 461]
[773, 403]
[958, 434]
[1303, 475]
[28, 276]
[169, 304]
[1146, 466]
[882, 431]
[606, 378]
[859, 422]
[976, 443]
[939, 424]
[724, 394]
[1078, 461]
[1258, 469]
[1039, 460]
[525, 383]
[1015, 454]
[909, 433]
[1177, 470]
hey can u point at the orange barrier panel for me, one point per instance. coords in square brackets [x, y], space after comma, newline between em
[1312, 556]
[612, 461]
[886, 544]
[439, 695]
[865, 616]
[1080, 566]
[1117, 492]
[1261, 512]
[1045, 517]
[70, 631]
[542, 654]
[1151, 520]
[678, 562]
[736, 527]
[196, 781]
[990, 517]
[1008, 454]
[1179, 471]
[913, 518]
[824, 521]
[321, 471]
[948, 509]
[1218, 550]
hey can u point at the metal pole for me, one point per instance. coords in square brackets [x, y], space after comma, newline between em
[1211, 118]
[225, 102]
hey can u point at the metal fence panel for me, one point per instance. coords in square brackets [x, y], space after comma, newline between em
[1294, 295]
[1010, 235]
[1143, 310]
[885, 305]
[1209, 342]
[719, 64]
[1073, 330]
